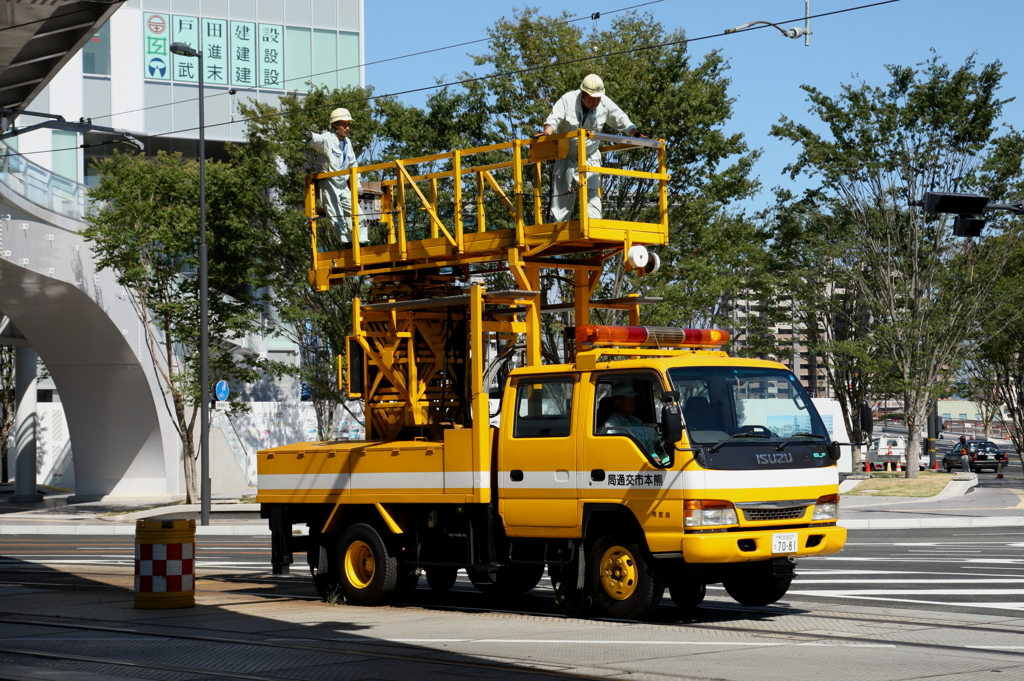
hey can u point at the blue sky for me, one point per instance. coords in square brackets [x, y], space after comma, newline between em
[766, 68]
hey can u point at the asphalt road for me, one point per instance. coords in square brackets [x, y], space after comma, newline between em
[66, 612]
[974, 571]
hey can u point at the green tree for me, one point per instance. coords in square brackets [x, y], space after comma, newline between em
[813, 286]
[930, 128]
[712, 255]
[146, 229]
[277, 159]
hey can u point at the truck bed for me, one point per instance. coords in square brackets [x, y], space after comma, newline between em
[405, 471]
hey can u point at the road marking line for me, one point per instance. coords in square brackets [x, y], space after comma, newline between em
[491, 641]
[1020, 495]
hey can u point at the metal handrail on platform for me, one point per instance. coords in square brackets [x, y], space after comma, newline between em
[444, 196]
[42, 187]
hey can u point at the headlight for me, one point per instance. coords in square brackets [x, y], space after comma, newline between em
[827, 508]
[701, 513]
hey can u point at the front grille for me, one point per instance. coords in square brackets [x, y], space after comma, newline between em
[760, 514]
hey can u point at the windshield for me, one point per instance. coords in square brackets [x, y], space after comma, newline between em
[740, 407]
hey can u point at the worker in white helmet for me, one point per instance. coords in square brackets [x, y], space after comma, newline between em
[587, 108]
[334, 152]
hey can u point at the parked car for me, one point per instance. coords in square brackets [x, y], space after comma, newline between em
[984, 454]
[883, 450]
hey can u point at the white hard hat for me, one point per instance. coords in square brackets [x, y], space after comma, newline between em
[340, 115]
[593, 85]
[624, 389]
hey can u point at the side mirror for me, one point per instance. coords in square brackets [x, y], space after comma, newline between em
[671, 428]
[834, 451]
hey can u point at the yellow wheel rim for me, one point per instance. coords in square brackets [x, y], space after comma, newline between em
[359, 564]
[618, 573]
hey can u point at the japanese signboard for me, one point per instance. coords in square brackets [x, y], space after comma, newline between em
[244, 62]
[271, 56]
[156, 46]
[186, 30]
[215, 51]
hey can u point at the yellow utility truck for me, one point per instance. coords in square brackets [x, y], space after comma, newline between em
[623, 459]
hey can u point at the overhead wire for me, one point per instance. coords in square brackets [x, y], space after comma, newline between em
[388, 59]
[506, 74]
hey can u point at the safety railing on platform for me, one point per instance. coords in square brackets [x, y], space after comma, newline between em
[42, 187]
[451, 192]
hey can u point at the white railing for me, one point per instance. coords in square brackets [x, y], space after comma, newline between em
[40, 186]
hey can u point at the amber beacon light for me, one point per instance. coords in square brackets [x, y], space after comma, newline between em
[657, 336]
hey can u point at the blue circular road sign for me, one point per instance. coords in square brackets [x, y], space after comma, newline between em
[222, 390]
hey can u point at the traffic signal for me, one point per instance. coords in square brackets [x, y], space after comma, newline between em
[949, 202]
[967, 225]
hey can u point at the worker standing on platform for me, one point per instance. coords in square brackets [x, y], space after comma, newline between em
[587, 108]
[335, 152]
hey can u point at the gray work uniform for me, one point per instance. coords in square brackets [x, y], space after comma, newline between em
[334, 154]
[566, 116]
[965, 462]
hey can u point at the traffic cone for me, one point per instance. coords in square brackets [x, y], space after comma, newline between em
[887, 469]
[936, 466]
[999, 471]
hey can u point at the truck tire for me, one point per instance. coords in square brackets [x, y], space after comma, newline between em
[687, 594]
[757, 587]
[367, 572]
[621, 579]
[442, 577]
[510, 580]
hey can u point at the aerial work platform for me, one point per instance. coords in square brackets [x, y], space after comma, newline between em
[486, 204]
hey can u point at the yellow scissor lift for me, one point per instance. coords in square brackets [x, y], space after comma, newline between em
[404, 362]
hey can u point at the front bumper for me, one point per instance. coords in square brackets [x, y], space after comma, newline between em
[728, 547]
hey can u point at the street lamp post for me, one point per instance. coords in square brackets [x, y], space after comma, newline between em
[183, 50]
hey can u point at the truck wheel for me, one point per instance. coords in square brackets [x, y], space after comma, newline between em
[687, 594]
[367, 572]
[621, 578]
[757, 587]
[442, 577]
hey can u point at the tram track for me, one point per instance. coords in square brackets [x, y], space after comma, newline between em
[794, 637]
[707, 607]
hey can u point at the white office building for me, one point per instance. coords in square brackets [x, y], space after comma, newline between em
[125, 77]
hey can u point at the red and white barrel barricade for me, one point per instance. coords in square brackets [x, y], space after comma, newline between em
[165, 564]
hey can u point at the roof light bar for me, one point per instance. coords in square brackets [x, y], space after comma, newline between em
[654, 336]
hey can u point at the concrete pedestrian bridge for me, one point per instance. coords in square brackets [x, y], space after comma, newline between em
[84, 329]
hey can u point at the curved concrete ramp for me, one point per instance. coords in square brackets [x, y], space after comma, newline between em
[109, 405]
[85, 331]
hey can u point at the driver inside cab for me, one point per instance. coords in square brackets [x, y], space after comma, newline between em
[623, 418]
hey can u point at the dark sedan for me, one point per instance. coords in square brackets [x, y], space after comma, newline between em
[984, 454]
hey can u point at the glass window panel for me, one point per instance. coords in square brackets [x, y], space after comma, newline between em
[544, 409]
[96, 53]
[348, 55]
[65, 154]
[297, 61]
[325, 58]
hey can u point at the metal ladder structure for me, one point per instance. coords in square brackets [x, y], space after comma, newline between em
[418, 351]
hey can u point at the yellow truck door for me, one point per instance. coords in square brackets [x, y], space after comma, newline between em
[537, 453]
[620, 440]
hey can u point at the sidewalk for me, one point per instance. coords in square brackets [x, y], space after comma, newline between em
[119, 516]
[964, 503]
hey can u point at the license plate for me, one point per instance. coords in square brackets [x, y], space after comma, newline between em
[784, 542]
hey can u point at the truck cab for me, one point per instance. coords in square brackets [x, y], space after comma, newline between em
[750, 483]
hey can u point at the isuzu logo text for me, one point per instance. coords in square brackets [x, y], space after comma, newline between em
[765, 459]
